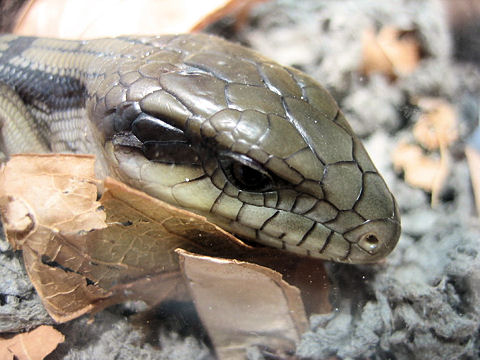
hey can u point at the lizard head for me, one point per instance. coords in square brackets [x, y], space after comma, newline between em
[260, 149]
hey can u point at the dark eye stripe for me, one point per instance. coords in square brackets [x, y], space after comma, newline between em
[171, 152]
[149, 128]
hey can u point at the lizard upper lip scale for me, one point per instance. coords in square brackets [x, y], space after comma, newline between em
[260, 149]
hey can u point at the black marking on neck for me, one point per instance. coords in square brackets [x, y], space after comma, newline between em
[42, 90]
[46, 91]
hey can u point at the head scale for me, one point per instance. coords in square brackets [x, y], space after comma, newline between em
[260, 149]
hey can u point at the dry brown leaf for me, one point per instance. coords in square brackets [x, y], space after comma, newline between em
[42, 194]
[238, 9]
[473, 158]
[420, 170]
[307, 274]
[34, 345]
[391, 51]
[85, 266]
[75, 262]
[243, 304]
[437, 125]
[66, 200]
[76, 20]
[41, 197]
[435, 130]
[374, 60]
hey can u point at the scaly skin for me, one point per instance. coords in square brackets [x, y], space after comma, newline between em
[262, 150]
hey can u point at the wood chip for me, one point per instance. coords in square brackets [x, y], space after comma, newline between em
[437, 126]
[420, 170]
[33, 345]
[426, 165]
[391, 51]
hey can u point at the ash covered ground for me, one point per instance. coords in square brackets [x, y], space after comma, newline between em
[423, 302]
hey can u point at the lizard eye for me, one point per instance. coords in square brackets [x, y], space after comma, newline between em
[245, 173]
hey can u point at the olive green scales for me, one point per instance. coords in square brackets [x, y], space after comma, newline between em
[260, 149]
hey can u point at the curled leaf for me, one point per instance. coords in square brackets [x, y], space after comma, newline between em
[257, 306]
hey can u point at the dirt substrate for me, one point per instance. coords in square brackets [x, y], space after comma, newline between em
[424, 301]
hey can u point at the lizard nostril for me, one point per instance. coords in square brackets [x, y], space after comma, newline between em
[369, 242]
